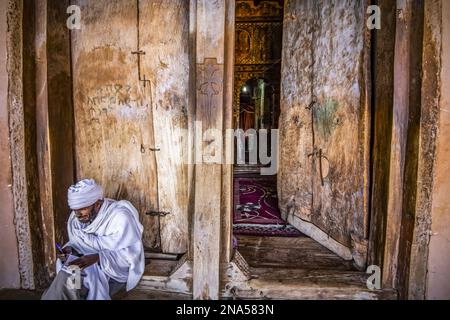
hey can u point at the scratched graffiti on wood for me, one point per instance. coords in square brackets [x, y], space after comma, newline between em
[112, 94]
[117, 101]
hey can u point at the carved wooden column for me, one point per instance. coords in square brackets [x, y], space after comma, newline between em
[210, 58]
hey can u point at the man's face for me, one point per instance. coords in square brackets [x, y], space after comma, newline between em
[85, 214]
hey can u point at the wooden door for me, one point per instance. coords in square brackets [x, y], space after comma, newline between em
[127, 113]
[324, 124]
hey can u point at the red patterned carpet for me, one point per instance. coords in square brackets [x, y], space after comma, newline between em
[256, 209]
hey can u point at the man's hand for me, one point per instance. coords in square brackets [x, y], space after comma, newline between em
[86, 261]
[66, 252]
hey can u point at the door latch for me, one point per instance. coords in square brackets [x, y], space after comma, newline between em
[319, 154]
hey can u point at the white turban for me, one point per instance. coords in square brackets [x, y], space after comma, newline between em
[84, 194]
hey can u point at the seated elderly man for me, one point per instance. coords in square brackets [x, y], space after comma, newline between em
[104, 254]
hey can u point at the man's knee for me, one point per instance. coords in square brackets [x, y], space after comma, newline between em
[65, 287]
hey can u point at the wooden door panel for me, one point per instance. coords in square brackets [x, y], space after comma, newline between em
[122, 123]
[324, 122]
[166, 65]
[112, 120]
[339, 120]
[296, 142]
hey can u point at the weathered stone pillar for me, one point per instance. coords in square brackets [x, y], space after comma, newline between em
[9, 268]
[14, 41]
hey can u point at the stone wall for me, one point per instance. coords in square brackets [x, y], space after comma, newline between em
[439, 250]
[9, 263]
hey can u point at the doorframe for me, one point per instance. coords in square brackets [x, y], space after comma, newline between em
[228, 146]
[416, 264]
[361, 248]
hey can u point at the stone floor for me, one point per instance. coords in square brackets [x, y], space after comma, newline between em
[14, 294]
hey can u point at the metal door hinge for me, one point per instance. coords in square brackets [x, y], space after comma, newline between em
[157, 213]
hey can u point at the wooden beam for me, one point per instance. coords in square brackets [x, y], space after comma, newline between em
[412, 150]
[54, 122]
[431, 93]
[42, 260]
[228, 150]
[405, 76]
[320, 236]
[210, 50]
[383, 80]
[43, 137]
[398, 143]
[191, 122]
[60, 112]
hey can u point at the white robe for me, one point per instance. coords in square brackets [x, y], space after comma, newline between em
[116, 235]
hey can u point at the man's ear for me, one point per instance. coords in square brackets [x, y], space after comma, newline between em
[98, 204]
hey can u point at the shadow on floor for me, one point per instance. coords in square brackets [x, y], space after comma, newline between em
[17, 294]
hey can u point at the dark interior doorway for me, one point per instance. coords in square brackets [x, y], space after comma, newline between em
[259, 28]
[259, 228]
